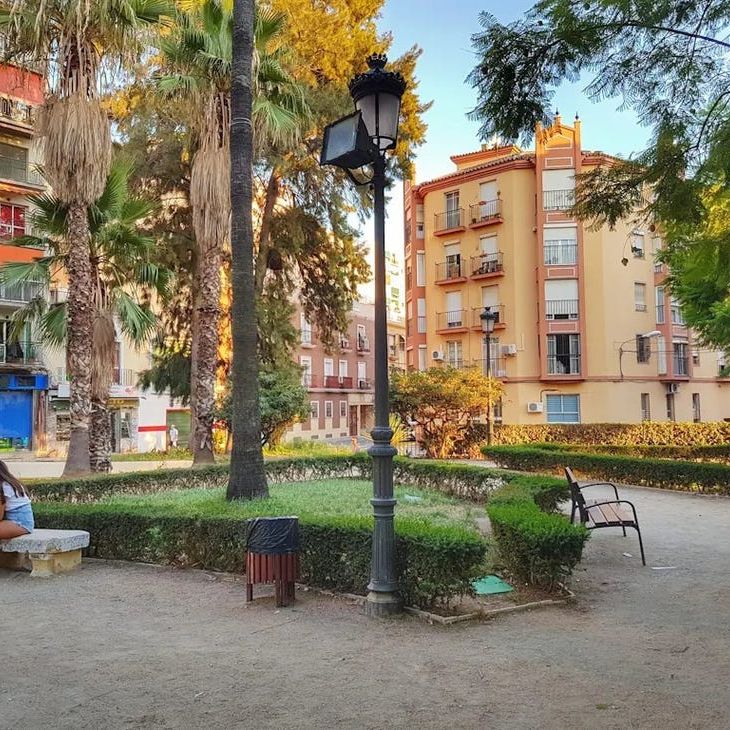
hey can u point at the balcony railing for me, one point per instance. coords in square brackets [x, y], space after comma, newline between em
[452, 320]
[680, 364]
[677, 317]
[486, 263]
[19, 171]
[305, 337]
[18, 353]
[455, 362]
[309, 380]
[558, 199]
[449, 219]
[124, 377]
[563, 364]
[23, 291]
[498, 309]
[452, 269]
[561, 309]
[364, 384]
[337, 381]
[363, 344]
[485, 211]
[561, 253]
[16, 111]
[497, 366]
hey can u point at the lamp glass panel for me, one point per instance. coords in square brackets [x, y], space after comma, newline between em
[388, 112]
[366, 107]
[342, 138]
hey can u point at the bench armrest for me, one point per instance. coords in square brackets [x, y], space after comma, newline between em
[616, 501]
[600, 484]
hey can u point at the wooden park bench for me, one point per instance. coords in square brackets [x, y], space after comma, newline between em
[595, 514]
[47, 552]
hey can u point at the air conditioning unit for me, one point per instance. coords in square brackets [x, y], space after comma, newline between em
[672, 388]
[509, 350]
[534, 407]
[437, 355]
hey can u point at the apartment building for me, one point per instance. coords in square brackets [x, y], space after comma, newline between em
[586, 330]
[395, 308]
[23, 379]
[340, 382]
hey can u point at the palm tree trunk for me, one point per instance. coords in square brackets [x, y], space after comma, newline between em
[205, 356]
[100, 441]
[247, 476]
[80, 309]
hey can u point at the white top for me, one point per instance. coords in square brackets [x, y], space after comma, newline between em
[11, 500]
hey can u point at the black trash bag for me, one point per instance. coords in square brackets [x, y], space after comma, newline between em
[272, 535]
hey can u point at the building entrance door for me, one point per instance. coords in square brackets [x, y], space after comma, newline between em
[353, 421]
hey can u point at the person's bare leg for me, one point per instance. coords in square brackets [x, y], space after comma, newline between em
[9, 529]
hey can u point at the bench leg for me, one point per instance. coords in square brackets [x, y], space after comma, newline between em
[641, 545]
[15, 561]
[47, 564]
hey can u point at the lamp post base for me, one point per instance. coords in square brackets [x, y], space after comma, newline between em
[379, 605]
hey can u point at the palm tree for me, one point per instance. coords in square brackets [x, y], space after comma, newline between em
[79, 43]
[124, 276]
[197, 66]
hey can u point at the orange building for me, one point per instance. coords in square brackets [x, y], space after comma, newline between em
[574, 305]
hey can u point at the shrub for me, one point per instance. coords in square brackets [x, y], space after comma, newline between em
[663, 474]
[437, 562]
[719, 453]
[647, 433]
[535, 544]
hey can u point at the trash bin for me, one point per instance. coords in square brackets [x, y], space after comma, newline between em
[272, 555]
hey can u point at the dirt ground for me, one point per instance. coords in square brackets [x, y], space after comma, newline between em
[130, 646]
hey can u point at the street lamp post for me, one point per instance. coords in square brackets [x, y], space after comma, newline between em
[352, 143]
[489, 319]
[648, 336]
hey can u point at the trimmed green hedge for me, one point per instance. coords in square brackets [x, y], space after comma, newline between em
[436, 562]
[535, 544]
[688, 476]
[715, 453]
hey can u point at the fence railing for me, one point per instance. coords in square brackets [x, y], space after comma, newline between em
[19, 171]
[337, 381]
[561, 309]
[558, 199]
[364, 384]
[451, 320]
[485, 211]
[560, 253]
[16, 111]
[486, 263]
[19, 353]
[452, 269]
[23, 291]
[449, 219]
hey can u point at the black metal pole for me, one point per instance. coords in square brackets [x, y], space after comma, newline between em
[383, 597]
[488, 343]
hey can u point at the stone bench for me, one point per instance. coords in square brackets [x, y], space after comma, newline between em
[47, 552]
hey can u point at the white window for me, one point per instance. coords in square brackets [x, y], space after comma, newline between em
[659, 295]
[314, 409]
[329, 367]
[328, 409]
[453, 214]
[558, 189]
[362, 371]
[488, 203]
[561, 299]
[563, 408]
[488, 244]
[487, 191]
[420, 268]
[645, 407]
[661, 356]
[677, 316]
[342, 368]
[305, 363]
[494, 360]
[421, 316]
[452, 265]
[490, 296]
[343, 409]
[422, 357]
[639, 296]
[454, 354]
[419, 221]
[637, 245]
[563, 354]
[454, 313]
[305, 329]
[560, 246]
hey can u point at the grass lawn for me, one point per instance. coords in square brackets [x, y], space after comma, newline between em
[304, 499]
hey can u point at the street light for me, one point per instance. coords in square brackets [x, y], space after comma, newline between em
[489, 319]
[352, 143]
[648, 336]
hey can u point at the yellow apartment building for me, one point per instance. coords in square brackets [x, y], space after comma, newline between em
[574, 305]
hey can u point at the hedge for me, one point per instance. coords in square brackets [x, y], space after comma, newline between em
[647, 433]
[688, 476]
[719, 454]
[535, 544]
[436, 562]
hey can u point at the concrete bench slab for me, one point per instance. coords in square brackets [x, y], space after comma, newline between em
[46, 552]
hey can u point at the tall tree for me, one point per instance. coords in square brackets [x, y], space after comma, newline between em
[247, 476]
[125, 277]
[79, 42]
[666, 60]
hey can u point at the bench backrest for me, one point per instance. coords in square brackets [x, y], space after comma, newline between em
[575, 494]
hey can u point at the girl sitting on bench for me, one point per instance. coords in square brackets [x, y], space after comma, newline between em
[16, 515]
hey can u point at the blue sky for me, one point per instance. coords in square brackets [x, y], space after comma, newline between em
[444, 33]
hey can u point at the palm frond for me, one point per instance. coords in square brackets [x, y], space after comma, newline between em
[138, 322]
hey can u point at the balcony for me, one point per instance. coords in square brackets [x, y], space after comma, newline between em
[563, 364]
[19, 353]
[345, 345]
[485, 213]
[363, 344]
[486, 265]
[677, 317]
[309, 380]
[341, 382]
[456, 363]
[449, 221]
[561, 253]
[561, 309]
[558, 199]
[18, 171]
[451, 270]
[451, 321]
[124, 377]
[497, 366]
[22, 292]
[364, 384]
[16, 112]
[498, 309]
[305, 338]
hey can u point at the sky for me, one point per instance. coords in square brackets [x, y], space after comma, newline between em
[444, 33]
